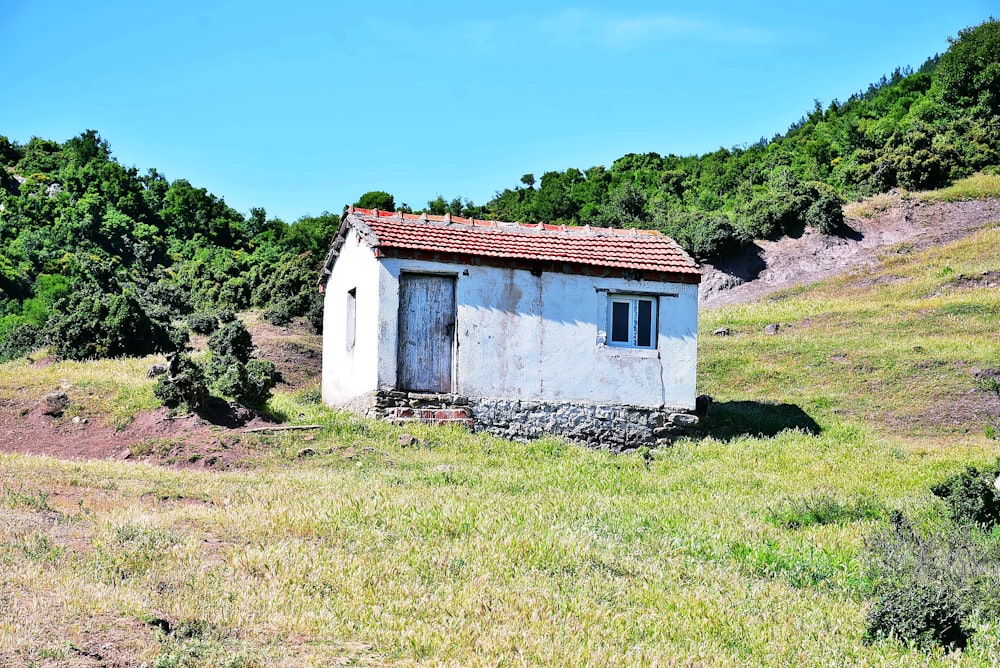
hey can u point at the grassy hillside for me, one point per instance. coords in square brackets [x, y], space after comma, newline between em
[469, 550]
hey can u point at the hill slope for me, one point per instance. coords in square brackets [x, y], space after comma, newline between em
[895, 222]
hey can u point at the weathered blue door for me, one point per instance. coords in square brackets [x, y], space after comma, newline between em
[426, 332]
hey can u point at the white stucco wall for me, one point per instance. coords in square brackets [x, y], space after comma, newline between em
[519, 336]
[348, 374]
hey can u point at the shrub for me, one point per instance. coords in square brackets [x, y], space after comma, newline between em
[259, 379]
[315, 313]
[232, 340]
[202, 322]
[184, 388]
[930, 589]
[89, 324]
[277, 315]
[826, 214]
[233, 372]
[18, 341]
[972, 497]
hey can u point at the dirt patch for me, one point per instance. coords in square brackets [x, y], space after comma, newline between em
[987, 279]
[296, 352]
[213, 440]
[950, 415]
[906, 226]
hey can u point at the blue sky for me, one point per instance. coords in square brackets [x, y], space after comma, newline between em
[300, 107]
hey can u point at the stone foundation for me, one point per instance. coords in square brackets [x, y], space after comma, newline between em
[401, 407]
[605, 426]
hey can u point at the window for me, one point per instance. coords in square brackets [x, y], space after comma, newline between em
[631, 321]
[352, 317]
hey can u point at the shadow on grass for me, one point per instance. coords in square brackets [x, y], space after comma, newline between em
[735, 419]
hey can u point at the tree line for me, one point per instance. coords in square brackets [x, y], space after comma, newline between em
[99, 260]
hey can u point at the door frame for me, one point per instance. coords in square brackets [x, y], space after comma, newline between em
[453, 370]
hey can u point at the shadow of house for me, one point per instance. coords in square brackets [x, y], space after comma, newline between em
[730, 420]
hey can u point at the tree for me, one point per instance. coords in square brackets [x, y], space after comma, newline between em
[969, 72]
[377, 199]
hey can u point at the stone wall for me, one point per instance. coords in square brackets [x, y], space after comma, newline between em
[608, 427]
[605, 426]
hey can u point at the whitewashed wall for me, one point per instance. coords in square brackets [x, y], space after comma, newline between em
[348, 374]
[541, 338]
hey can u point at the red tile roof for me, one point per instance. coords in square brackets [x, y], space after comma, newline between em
[632, 249]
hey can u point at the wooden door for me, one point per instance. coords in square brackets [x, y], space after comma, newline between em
[426, 332]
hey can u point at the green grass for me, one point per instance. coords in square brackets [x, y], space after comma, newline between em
[978, 186]
[744, 548]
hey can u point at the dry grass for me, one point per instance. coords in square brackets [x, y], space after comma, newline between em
[872, 206]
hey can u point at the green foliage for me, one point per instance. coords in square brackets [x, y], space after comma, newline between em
[146, 250]
[377, 199]
[233, 372]
[201, 322]
[232, 340]
[185, 387]
[17, 339]
[972, 496]
[89, 323]
[969, 72]
[315, 313]
[930, 589]
[826, 214]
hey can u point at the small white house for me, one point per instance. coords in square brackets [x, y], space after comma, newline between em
[520, 330]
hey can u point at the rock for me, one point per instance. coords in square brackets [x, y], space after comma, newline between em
[54, 403]
[305, 452]
[701, 405]
[722, 331]
[407, 441]
[772, 328]
[684, 419]
[156, 370]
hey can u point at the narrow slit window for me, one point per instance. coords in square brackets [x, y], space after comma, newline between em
[352, 317]
[632, 321]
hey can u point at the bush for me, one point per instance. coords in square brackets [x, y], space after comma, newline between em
[315, 313]
[233, 372]
[259, 379]
[277, 315]
[931, 589]
[826, 214]
[202, 322]
[18, 341]
[90, 324]
[185, 387]
[972, 497]
[232, 340]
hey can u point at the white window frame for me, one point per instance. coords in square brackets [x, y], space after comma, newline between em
[633, 320]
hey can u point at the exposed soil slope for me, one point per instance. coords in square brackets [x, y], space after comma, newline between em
[768, 266]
